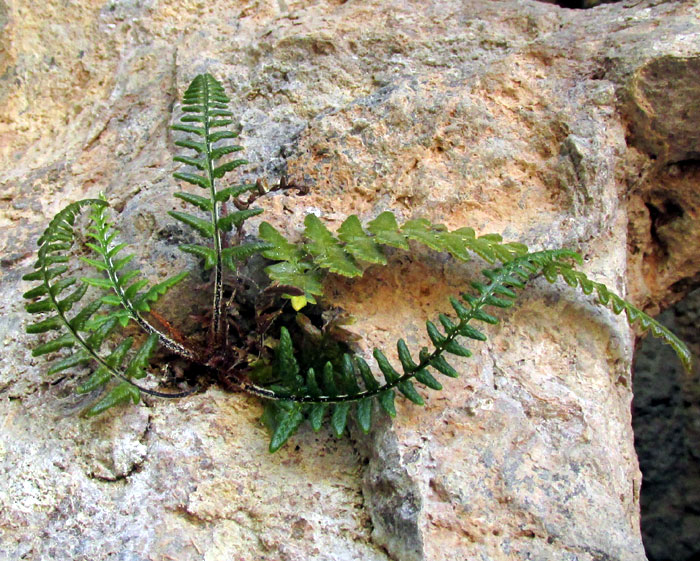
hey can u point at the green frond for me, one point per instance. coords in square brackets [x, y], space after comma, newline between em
[199, 131]
[291, 270]
[285, 420]
[77, 331]
[353, 386]
[124, 392]
[288, 368]
[299, 275]
[316, 416]
[198, 147]
[98, 282]
[205, 102]
[49, 324]
[54, 345]
[143, 302]
[214, 123]
[85, 333]
[320, 382]
[421, 230]
[353, 244]
[195, 162]
[364, 415]
[221, 135]
[281, 250]
[102, 375]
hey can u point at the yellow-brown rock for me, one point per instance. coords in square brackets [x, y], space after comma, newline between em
[555, 127]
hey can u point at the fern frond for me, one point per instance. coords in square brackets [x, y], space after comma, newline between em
[310, 398]
[85, 332]
[204, 102]
[351, 383]
[127, 291]
[343, 254]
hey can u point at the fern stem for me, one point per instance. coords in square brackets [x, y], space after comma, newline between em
[217, 311]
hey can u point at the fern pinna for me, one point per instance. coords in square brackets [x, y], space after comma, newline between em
[271, 344]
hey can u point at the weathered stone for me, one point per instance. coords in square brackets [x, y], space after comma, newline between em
[509, 117]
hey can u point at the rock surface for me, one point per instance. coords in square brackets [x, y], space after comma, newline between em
[555, 127]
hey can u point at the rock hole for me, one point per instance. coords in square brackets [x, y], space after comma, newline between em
[664, 213]
[666, 421]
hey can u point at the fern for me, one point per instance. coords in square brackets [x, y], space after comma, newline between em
[339, 387]
[205, 104]
[301, 265]
[293, 360]
[86, 332]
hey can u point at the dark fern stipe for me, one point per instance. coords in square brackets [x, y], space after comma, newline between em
[267, 339]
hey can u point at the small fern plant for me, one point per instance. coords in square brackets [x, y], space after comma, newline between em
[272, 339]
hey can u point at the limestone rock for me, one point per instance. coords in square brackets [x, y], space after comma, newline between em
[555, 127]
